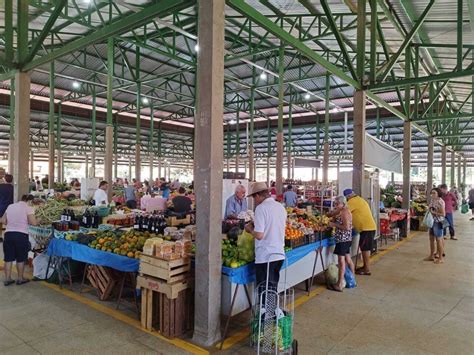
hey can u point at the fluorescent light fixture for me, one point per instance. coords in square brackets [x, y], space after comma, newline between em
[307, 96]
[76, 85]
[145, 100]
[263, 76]
[196, 48]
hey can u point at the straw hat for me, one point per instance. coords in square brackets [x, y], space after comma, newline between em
[257, 187]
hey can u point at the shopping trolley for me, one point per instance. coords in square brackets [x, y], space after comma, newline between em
[273, 316]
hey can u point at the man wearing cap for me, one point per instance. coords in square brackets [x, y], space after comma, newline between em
[364, 223]
[268, 230]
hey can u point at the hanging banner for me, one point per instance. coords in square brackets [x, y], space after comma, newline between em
[306, 163]
[381, 155]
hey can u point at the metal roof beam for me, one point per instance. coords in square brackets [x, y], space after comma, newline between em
[118, 27]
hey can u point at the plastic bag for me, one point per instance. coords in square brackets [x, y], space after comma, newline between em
[331, 275]
[428, 220]
[464, 208]
[40, 264]
[350, 279]
[246, 247]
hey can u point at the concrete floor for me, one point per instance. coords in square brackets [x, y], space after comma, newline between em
[406, 306]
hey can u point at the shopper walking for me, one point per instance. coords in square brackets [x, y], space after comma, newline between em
[450, 202]
[269, 233]
[364, 224]
[343, 236]
[17, 217]
[6, 198]
[471, 202]
[437, 209]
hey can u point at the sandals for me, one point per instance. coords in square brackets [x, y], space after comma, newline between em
[438, 261]
[363, 272]
[334, 288]
[8, 282]
[454, 238]
[22, 282]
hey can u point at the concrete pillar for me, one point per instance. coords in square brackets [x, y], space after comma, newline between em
[92, 169]
[109, 152]
[429, 167]
[116, 158]
[338, 168]
[464, 167]
[325, 162]
[406, 164]
[452, 180]
[459, 177]
[11, 155]
[32, 164]
[21, 146]
[58, 167]
[87, 166]
[159, 168]
[130, 169]
[359, 142]
[51, 146]
[288, 165]
[208, 157]
[443, 164]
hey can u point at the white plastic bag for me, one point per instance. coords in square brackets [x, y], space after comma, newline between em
[331, 275]
[428, 220]
[40, 263]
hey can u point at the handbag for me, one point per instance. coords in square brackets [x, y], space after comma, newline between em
[428, 220]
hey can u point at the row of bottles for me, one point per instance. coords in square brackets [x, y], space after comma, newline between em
[90, 219]
[155, 223]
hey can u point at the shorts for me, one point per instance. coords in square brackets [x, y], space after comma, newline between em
[16, 247]
[437, 230]
[366, 240]
[343, 248]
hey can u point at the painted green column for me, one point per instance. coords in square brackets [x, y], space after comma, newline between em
[93, 135]
[443, 164]
[290, 142]
[251, 152]
[407, 137]
[160, 158]
[150, 140]
[59, 155]
[237, 140]
[109, 129]
[269, 149]
[11, 145]
[281, 97]
[138, 156]
[116, 157]
[51, 147]
[326, 131]
[452, 181]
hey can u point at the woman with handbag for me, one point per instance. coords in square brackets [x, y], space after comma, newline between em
[437, 209]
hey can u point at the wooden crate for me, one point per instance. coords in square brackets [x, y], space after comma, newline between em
[168, 270]
[171, 316]
[103, 279]
[174, 221]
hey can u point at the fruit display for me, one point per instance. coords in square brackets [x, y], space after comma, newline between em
[128, 244]
[230, 254]
[419, 208]
[320, 223]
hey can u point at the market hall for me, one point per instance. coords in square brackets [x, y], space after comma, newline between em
[236, 176]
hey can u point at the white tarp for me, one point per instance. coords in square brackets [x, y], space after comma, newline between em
[381, 155]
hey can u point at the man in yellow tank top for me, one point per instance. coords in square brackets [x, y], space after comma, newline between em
[364, 223]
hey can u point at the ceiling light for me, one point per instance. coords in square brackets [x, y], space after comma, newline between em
[196, 48]
[416, 157]
[232, 122]
[263, 76]
[307, 96]
[145, 100]
[76, 85]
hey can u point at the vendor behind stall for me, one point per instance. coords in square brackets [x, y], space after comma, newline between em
[236, 203]
[181, 203]
[100, 195]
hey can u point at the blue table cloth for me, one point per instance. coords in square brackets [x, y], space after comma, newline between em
[246, 274]
[80, 252]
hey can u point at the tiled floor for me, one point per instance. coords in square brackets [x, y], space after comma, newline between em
[407, 306]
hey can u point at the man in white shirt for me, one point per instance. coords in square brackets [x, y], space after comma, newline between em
[100, 195]
[269, 233]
